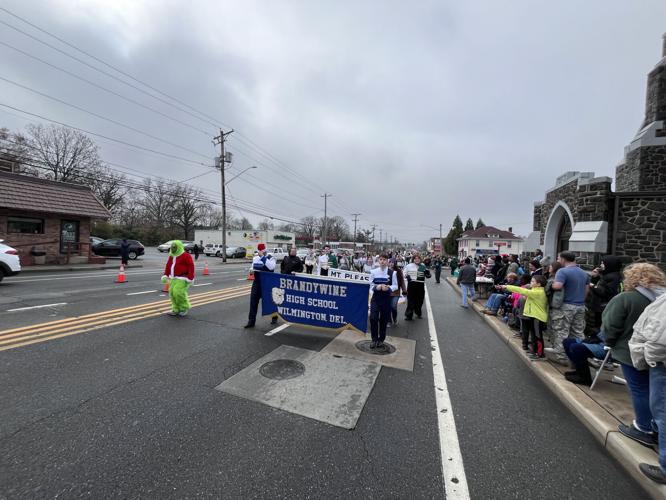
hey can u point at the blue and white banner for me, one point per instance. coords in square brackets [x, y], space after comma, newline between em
[315, 300]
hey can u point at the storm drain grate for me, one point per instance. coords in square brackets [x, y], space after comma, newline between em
[364, 346]
[282, 369]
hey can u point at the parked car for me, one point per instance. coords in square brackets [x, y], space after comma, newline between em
[302, 253]
[9, 261]
[236, 252]
[111, 248]
[164, 247]
[278, 253]
[94, 240]
[213, 249]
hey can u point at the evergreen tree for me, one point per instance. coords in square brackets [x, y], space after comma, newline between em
[451, 240]
[479, 223]
[469, 225]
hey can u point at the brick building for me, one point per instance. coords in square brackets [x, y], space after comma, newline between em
[42, 216]
[583, 214]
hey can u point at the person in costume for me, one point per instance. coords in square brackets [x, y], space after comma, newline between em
[261, 263]
[179, 273]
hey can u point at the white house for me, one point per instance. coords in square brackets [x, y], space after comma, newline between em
[488, 240]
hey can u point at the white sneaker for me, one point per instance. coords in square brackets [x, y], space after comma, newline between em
[182, 313]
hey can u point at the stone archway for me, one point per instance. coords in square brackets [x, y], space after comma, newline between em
[558, 230]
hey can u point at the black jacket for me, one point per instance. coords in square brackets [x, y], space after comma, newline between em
[291, 264]
[606, 286]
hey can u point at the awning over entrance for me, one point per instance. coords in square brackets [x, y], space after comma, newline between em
[589, 237]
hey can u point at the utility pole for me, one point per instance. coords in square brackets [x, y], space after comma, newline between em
[373, 234]
[325, 231]
[220, 139]
[381, 241]
[355, 221]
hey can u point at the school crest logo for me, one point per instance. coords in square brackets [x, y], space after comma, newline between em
[278, 296]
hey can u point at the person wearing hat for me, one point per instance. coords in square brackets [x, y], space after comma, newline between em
[262, 262]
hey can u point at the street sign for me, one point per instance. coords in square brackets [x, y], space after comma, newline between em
[499, 243]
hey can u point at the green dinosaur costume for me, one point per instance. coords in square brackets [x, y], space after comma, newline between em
[179, 273]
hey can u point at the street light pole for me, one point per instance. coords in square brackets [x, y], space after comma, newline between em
[239, 174]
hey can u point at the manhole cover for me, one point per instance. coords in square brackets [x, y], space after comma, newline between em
[282, 369]
[364, 346]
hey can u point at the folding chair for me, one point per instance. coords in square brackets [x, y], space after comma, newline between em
[601, 368]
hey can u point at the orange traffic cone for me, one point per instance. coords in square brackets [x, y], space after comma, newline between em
[205, 271]
[250, 276]
[165, 287]
[121, 275]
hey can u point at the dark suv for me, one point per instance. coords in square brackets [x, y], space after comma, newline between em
[111, 248]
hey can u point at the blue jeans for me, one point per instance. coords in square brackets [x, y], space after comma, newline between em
[467, 288]
[394, 308]
[494, 301]
[638, 382]
[658, 408]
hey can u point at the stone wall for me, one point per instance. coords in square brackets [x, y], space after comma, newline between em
[49, 241]
[565, 193]
[640, 232]
[644, 169]
[655, 100]
[536, 217]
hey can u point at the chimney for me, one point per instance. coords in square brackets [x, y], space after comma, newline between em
[511, 230]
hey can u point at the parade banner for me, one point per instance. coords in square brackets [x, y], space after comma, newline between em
[315, 300]
[348, 275]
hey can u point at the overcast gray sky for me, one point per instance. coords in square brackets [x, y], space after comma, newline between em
[407, 112]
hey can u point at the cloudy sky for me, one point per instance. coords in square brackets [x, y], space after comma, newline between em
[407, 112]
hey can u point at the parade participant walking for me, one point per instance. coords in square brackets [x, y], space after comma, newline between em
[383, 281]
[124, 252]
[324, 261]
[291, 263]
[261, 263]
[466, 281]
[310, 261]
[437, 265]
[453, 264]
[179, 273]
[415, 273]
[568, 321]
[402, 290]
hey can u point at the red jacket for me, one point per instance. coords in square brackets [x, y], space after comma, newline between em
[183, 268]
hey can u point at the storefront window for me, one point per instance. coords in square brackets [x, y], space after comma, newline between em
[25, 225]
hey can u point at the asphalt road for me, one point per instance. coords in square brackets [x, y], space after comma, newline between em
[129, 410]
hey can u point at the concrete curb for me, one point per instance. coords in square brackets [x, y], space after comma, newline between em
[601, 423]
[83, 267]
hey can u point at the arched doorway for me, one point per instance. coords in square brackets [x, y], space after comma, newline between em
[558, 230]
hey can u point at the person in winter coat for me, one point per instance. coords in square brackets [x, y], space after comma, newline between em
[466, 281]
[437, 265]
[179, 273]
[453, 264]
[606, 281]
[647, 347]
[124, 252]
[642, 284]
[402, 290]
[262, 262]
[291, 263]
[535, 312]
[415, 273]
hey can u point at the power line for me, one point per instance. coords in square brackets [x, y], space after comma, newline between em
[129, 127]
[168, 155]
[101, 87]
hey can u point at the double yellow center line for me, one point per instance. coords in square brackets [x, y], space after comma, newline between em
[43, 332]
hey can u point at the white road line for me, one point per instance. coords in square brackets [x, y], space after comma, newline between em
[202, 284]
[37, 307]
[243, 279]
[140, 293]
[453, 470]
[276, 330]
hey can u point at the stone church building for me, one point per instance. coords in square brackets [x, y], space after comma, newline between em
[583, 214]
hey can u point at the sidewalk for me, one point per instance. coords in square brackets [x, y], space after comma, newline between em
[600, 410]
[75, 267]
